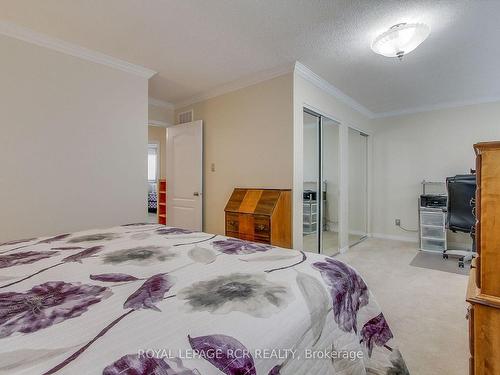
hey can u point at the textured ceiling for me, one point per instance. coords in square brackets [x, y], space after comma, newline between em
[198, 45]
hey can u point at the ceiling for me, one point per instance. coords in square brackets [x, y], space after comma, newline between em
[199, 45]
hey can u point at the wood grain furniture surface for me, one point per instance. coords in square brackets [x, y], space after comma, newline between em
[162, 202]
[260, 215]
[483, 292]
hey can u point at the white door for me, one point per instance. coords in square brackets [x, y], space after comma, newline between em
[185, 176]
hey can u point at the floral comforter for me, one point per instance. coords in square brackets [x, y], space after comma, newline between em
[150, 299]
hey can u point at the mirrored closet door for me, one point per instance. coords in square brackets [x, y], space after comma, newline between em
[358, 185]
[320, 184]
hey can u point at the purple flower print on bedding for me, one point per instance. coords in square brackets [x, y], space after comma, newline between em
[237, 246]
[25, 257]
[153, 290]
[233, 357]
[59, 237]
[137, 224]
[113, 277]
[87, 253]
[275, 370]
[348, 291]
[134, 364]
[16, 242]
[376, 331]
[173, 231]
[45, 305]
[91, 251]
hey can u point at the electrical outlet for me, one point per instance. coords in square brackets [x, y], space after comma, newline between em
[397, 222]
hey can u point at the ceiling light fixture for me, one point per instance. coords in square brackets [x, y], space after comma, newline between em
[400, 39]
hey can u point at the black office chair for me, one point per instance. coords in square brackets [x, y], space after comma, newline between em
[460, 212]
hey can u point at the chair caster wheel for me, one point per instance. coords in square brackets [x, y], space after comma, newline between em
[461, 264]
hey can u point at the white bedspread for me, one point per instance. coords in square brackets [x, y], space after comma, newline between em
[149, 299]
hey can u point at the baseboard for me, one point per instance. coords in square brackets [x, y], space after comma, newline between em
[393, 237]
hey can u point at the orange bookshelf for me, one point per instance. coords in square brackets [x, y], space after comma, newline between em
[162, 202]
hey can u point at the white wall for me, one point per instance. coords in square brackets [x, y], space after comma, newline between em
[431, 146]
[73, 143]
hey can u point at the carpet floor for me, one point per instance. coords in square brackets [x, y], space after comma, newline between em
[424, 307]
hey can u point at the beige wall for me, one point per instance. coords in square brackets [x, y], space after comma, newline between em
[73, 139]
[157, 134]
[248, 136]
[431, 146]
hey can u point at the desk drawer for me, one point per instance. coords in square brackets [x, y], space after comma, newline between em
[232, 222]
[262, 227]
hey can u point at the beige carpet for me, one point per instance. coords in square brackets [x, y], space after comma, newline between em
[425, 308]
[330, 242]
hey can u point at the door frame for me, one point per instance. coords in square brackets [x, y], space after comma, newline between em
[201, 189]
[319, 185]
[298, 173]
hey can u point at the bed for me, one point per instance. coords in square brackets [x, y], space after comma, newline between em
[150, 299]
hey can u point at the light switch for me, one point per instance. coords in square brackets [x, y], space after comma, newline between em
[212, 167]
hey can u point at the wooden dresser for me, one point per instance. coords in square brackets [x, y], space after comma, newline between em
[260, 215]
[483, 291]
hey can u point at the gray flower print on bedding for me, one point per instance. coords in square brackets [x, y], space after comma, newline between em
[398, 364]
[252, 294]
[45, 305]
[94, 237]
[139, 255]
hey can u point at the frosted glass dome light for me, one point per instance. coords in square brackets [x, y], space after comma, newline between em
[400, 39]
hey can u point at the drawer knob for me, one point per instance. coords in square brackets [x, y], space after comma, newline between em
[261, 227]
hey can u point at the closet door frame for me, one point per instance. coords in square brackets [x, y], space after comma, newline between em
[319, 182]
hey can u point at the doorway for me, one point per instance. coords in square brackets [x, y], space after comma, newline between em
[153, 176]
[321, 184]
[184, 175]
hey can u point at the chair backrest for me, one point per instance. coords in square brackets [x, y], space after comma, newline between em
[461, 191]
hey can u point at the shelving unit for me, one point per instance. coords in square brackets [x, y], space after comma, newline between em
[432, 229]
[310, 216]
[162, 202]
[432, 220]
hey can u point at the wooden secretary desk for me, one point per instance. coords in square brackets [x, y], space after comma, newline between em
[483, 292]
[260, 215]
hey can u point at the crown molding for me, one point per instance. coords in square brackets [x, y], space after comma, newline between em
[42, 40]
[160, 103]
[236, 85]
[321, 83]
[436, 107]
